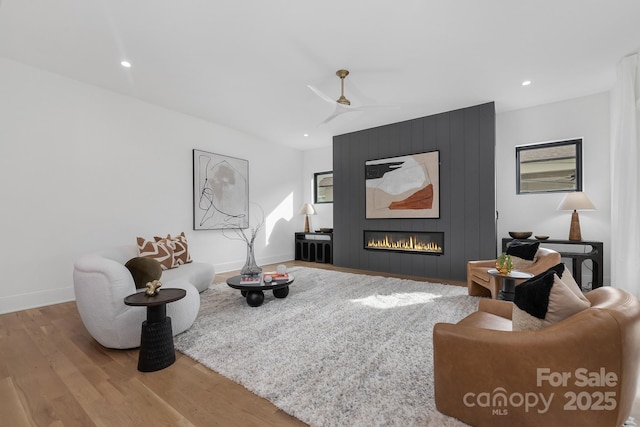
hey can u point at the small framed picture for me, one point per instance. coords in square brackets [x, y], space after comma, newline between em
[323, 187]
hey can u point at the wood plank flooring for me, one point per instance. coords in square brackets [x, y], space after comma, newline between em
[53, 373]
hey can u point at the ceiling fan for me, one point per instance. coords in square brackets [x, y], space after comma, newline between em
[342, 104]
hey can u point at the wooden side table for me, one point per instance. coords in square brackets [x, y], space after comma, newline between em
[156, 341]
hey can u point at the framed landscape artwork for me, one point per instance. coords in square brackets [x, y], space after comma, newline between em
[220, 191]
[403, 187]
[545, 167]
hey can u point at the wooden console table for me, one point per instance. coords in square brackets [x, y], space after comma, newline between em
[595, 255]
[314, 247]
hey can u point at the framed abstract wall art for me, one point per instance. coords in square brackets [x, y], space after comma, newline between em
[220, 191]
[403, 187]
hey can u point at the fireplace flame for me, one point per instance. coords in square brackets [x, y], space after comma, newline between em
[410, 244]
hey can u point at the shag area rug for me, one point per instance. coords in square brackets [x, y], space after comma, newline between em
[341, 350]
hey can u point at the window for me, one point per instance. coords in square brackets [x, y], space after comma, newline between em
[549, 167]
[323, 187]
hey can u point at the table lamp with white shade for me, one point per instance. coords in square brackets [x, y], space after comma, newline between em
[575, 201]
[307, 209]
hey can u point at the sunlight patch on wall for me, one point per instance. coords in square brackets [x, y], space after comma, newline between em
[397, 300]
[284, 211]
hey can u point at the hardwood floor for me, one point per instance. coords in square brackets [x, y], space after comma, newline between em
[53, 373]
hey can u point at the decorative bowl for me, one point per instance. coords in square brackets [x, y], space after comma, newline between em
[326, 230]
[520, 234]
[541, 237]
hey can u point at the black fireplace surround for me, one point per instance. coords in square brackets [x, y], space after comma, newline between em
[418, 242]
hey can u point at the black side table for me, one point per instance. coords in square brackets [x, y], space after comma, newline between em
[508, 291]
[156, 341]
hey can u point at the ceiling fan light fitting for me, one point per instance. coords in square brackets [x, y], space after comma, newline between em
[342, 74]
[344, 101]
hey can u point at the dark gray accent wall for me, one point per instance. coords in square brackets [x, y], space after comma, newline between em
[466, 141]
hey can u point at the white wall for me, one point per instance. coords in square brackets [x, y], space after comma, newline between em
[586, 117]
[82, 168]
[318, 160]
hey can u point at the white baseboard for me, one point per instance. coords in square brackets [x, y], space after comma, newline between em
[232, 266]
[56, 296]
[35, 299]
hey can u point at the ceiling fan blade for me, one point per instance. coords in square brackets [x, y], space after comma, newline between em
[328, 119]
[340, 109]
[375, 107]
[321, 95]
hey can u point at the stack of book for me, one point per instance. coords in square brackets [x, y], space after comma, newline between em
[275, 276]
[246, 279]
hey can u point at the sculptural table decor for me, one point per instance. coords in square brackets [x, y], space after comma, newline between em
[504, 263]
[153, 288]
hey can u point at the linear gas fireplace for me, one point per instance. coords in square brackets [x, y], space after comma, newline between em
[420, 242]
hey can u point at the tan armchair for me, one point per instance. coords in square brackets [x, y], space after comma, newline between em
[581, 371]
[480, 283]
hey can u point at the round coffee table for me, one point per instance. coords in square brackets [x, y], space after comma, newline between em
[255, 293]
[507, 292]
[156, 341]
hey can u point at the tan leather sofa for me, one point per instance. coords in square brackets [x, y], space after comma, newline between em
[581, 371]
[480, 283]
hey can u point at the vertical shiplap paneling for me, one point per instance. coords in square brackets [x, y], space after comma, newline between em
[370, 149]
[487, 134]
[472, 188]
[404, 140]
[430, 143]
[357, 194]
[466, 141]
[379, 145]
[340, 186]
[443, 137]
[417, 146]
[457, 175]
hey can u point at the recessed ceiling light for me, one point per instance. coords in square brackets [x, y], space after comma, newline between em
[526, 83]
[305, 135]
[126, 64]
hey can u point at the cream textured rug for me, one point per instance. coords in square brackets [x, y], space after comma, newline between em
[341, 350]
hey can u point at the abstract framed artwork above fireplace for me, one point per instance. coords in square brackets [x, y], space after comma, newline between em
[403, 187]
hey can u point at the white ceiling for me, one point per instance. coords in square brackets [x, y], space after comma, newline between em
[246, 64]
